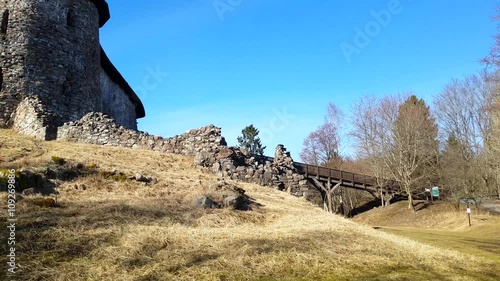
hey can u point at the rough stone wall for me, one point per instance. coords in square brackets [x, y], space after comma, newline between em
[34, 119]
[206, 144]
[98, 128]
[278, 172]
[51, 49]
[13, 47]
[116, 103]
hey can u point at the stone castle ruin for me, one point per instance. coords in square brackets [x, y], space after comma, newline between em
[56, 82]
[53, 69]
[206, 145]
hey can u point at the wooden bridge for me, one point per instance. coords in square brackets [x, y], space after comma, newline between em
[319, 175]
[343, 178]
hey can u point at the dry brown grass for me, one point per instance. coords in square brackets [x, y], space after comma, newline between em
[440, 214]
[129, 231]
[442, 224]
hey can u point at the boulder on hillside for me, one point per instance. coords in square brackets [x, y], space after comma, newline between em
[231, 196]
[204, 202]
[204, 159]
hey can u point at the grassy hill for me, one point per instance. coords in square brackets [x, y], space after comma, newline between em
[116, 229]
[441, 224]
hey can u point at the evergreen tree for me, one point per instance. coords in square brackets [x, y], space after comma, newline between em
[413, 157]
[250, 140]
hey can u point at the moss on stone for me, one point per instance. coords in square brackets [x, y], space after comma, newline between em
[44, 202]
[58, 160]
[114, 176]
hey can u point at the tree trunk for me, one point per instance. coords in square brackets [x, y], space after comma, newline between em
[382, 197]
[352, 205]
[330, 203]
[410, 201]
[387, 199]
[325, 201]
[497, 183]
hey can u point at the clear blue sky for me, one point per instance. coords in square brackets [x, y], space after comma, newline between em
[276, 64]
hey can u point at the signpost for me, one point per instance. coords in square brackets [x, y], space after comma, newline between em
[428, 194]
[468, 213]
[468, 201]
[435, 192]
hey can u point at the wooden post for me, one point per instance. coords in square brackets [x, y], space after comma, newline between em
[468, 212]
[330, 195]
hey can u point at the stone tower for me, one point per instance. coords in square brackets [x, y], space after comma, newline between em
[53, 69]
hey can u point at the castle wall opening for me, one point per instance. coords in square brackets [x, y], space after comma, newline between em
[5, 22]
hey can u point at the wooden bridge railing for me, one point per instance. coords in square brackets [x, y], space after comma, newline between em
[349, 179]
[318, 171]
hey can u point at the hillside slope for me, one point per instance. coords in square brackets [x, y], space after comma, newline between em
[437, 214]
[117, 229]
[442, 224]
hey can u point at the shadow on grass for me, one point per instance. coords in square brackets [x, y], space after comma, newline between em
[397, 269]
[421, 205]
[49, 237]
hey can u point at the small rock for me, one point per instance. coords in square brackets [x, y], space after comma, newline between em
[204, 159]
[141, 178]
[230, 201]
[206, 203]
[29, 191]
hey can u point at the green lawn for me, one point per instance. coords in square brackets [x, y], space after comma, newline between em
[482, 242]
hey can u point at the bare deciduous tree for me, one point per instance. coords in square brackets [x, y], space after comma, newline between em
[413, 155]
[372, 121]
[493, 58]
[322, 145]
[493, 142]
[321, 148]
[398, 138]
[493, 154]
[463, 109]
[458, 176]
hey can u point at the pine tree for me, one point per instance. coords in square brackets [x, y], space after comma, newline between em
[250, 140]
[413, 156]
